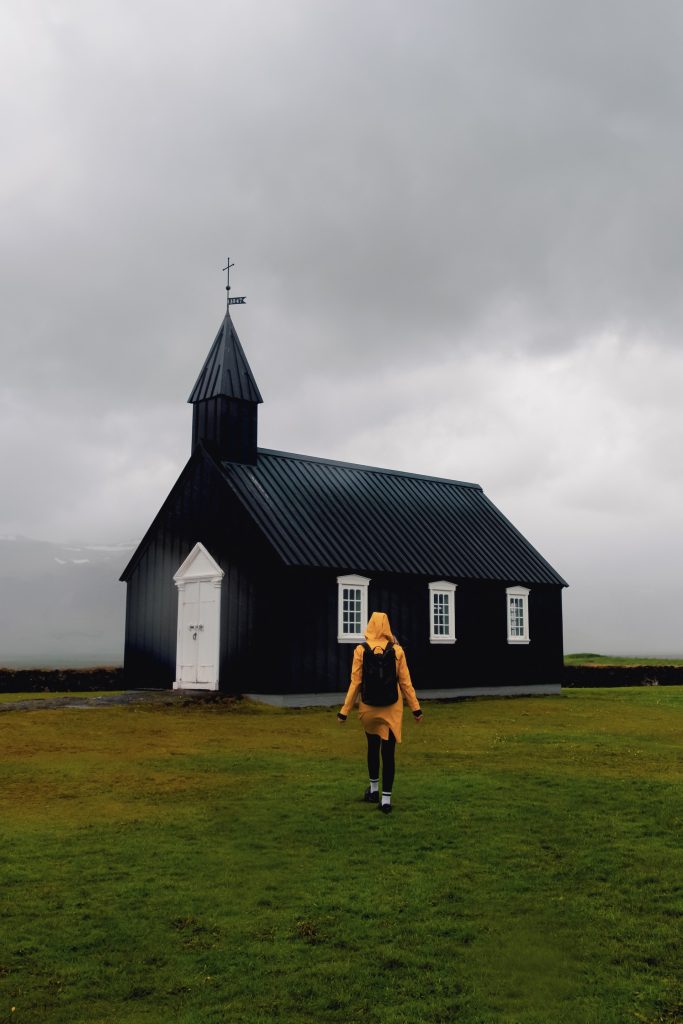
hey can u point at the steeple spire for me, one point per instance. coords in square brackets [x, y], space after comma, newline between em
[226, 398]
[226, 370]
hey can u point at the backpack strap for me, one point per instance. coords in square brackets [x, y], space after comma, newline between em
[374, 650]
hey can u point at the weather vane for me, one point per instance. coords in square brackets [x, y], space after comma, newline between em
[239, 300]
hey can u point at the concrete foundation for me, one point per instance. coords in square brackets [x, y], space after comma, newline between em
[318, 700]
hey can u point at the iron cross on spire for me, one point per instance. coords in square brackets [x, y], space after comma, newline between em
[238, 300]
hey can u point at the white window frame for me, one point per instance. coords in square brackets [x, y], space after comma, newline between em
[447, 589]
[360, 583]
[523, 593]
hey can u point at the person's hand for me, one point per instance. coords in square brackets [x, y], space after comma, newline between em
[418, 716]
[340, 718]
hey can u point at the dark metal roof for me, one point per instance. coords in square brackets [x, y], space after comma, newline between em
[226, 370]
[320, 513]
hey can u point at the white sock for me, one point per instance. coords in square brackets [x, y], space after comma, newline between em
[386, 798]
[374, 785]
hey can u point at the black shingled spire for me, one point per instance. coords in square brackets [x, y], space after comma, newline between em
[226, 399]
[226, 370]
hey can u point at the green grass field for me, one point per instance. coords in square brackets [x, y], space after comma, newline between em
[200, 865]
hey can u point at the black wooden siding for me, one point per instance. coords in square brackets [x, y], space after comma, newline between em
[316, 662]
[229, 425]
[279, 623]
[198, 509]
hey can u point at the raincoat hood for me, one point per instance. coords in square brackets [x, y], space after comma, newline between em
[378, 633]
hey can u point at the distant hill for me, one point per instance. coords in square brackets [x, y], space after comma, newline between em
[61, 605]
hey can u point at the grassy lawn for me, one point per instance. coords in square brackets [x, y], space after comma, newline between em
[198, 865]
[610, 659]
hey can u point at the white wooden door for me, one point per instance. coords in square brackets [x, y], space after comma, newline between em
[198, 624]
[199, 581]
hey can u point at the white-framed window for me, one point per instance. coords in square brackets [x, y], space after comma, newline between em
[352, 609]
[442, 612]
[518, 615]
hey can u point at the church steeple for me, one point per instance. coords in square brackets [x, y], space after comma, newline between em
[226, 399]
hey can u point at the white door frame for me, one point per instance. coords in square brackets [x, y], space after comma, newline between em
[199, 567]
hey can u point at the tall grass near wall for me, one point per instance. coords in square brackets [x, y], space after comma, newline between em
[218, 867]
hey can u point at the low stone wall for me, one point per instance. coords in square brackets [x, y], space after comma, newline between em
[622, 675]
[38, 680]
[34, 680]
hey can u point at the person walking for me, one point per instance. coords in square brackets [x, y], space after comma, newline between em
[382, 722]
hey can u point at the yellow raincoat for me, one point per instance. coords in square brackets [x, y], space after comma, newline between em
[380, 720]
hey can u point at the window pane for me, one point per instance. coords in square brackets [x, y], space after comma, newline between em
[441, 607]
[517, 616]
[351, 609]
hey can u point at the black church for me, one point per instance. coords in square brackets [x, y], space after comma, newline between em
[261, 569]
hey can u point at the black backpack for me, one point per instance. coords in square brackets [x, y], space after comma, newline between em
[379, 687]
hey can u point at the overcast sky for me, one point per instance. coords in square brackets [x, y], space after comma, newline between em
[459, 228]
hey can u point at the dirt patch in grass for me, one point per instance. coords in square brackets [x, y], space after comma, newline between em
[149, 698]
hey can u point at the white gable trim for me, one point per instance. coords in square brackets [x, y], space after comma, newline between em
[353, 581]
[199, 565]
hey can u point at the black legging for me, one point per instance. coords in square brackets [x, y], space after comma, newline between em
[388, 762]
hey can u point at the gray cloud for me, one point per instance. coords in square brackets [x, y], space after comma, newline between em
[458, 202]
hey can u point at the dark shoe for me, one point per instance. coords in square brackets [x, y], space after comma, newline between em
[384, 808]
[370, 798]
